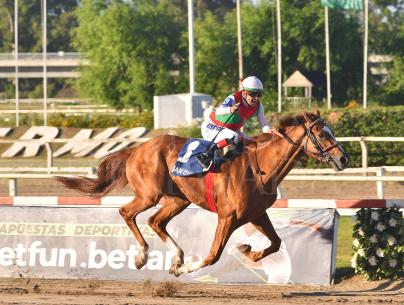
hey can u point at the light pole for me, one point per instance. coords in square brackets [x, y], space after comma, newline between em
[191, 46]
[278, 20]
[327, 57]
[45, 79]
[17, 89]
[365, 53]
[240, 45]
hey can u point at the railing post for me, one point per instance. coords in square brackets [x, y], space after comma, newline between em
[49, 157]
[379, 184]
[280, 192]
[12, 187]
[364, 149]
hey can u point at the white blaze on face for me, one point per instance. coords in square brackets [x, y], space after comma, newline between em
[327, 130]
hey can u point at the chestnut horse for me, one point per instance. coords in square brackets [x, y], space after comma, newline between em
[245, 186]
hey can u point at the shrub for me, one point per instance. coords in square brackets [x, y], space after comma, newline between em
[144, 119]
[378, 245]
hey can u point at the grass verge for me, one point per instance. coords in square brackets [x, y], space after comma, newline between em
[344, 249]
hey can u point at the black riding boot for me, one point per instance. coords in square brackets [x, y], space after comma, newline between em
[206, 157]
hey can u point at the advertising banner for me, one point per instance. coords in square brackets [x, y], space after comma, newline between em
[95, 242]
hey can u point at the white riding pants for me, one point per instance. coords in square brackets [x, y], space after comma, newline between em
[209, 131]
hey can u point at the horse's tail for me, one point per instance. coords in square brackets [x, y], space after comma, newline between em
[111, 173]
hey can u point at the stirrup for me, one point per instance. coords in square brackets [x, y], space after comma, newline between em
[204, 159]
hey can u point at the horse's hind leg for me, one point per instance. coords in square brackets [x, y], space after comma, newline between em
[224, 229]
[264, 225]
[129, 212]
[171, 207]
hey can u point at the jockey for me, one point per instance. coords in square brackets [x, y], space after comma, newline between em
[224, 123]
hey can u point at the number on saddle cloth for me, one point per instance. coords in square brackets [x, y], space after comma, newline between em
[187, 164]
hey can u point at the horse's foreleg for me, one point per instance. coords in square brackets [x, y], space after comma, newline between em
[224, 229]
[129, 212]
[171, 207]
[264, 225]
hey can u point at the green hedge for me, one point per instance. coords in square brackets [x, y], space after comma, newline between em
[377, 122]
[144, 119]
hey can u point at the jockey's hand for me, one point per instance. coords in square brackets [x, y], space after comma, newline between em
[272, 131]
[234, 108]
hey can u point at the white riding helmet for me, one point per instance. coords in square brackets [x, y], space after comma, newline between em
[252, 84]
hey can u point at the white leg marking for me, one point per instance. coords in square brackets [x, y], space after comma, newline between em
[143, 252]
[190, 267]
[172, 246]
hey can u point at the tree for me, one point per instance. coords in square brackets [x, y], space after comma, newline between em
[216, 55]
[60, 20]
[304, 47]
[392, 92]
[6, 26]
[131, 46]
[386, 27]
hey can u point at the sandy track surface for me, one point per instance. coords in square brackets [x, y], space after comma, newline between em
[355, 290]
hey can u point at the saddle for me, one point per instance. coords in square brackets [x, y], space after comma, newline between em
[187, 163]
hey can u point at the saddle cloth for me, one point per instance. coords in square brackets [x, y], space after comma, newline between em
[187, 164]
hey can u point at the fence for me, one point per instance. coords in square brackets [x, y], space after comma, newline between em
[373, 174]
[13, 174]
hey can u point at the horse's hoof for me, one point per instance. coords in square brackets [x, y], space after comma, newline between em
[244, 248]
[174, 270]
[139, 262]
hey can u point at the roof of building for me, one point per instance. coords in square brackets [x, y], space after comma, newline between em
[297, 79]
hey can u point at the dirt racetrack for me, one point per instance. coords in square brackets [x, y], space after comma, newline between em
[355, 290]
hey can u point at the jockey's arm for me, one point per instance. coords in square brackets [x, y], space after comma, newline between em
[228, 106]
[263, 120]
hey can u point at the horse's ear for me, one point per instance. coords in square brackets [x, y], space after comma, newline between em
[317, 112]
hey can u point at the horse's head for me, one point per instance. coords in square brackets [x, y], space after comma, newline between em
[321, 143]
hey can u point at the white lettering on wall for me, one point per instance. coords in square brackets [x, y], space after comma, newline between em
[37, 137]
[81, 145]
[75, 144]
[88, 147]
[4, 132]
[121, 141]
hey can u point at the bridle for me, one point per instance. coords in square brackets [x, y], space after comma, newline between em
[322, 153]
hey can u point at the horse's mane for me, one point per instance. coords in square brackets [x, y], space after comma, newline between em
[284, 123]
[295, 120]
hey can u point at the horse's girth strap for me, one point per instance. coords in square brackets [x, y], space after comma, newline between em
[209, 192]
